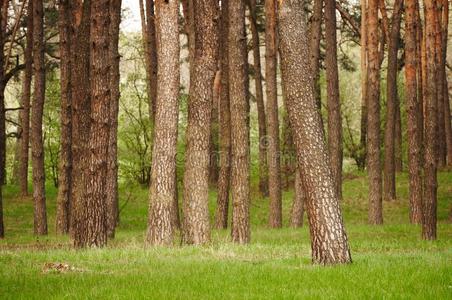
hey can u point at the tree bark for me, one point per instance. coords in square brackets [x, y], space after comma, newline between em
[240, 155]
[261, 116]
[412, 62]
[274, 163]
[112, 200]
[398, 157]
[447, 113]
[81, 117]
[441, 65]
[25, 113]
[314, 46]
[373, 118]
[364, 83]
[163, 185]
[334, 103]
[296, 216]
[431, 126]
[389, 192]
[328, 238]
[196, 178]
[37, 143]
[221, 216]
[65, 159]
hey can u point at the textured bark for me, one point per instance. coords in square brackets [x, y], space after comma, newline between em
[196, 178]
[398, 138]
[431, 126]
[261, 116]
[296, 215]
[37, 143]
[447, 113]
[112, 200]
[441, 65]
[333, 98]
[65, 159]
[389, 192]
[364, 83]
[25, 101]
[328, 238]
[81, 116]
[314, 48]
[163, 185]
[2, 115]
[413, 104]
[273, 144]
[240, 156]
[221, 215]
[373, 118]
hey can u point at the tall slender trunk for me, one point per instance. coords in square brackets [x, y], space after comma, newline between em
[447, 121]
[196, 178]
[112, 200]
[274, 163]
[81, 116]
[3, 9]
[364, 83]
[398, 149]
[328, 238]
[412, 63]
[65, 160]
[37, 143]
[163, 185]
[373, 118]
[334, 102]
[314, 48]
[389, 192]
[296, 216]
[261, 116]
[431, 126]
[25, 113]
[221, 215]
[441, 65]
[240, 158]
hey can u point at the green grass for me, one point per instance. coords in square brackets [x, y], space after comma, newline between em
[390, 261]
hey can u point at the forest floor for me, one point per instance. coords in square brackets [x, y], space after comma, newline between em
[389, 261]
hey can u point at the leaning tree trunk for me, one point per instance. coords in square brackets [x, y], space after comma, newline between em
[328, 238]
[2, 118]
[334, 103]
[274, 163]
[25, 112]
[413, 104]
[37, 143]
[65, 160]
[221, 215]
[391, 103]
[240, 159]
[196, 178]
[112, 169]
[430, 130]
[373, 118]
[163, 185]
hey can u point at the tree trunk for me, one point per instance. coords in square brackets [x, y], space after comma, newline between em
[2, 114]
[25, 113]
[441, 65]
[334, 103]
[81, 117]
[163, 185]
[112, 169]
[431, 126]
[447, 121]
[37, 144]
[412, 62]
[314, 49]
[221, 216]
[328, 238]
[274, 163]
[391, 103]
[364, 83]
[373, 118]
[261, 116]
[65, 160]
[398, 159]
[296, 216]
[196, 178]
[240, 158]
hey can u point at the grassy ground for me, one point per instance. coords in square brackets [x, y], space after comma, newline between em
[390, 261]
